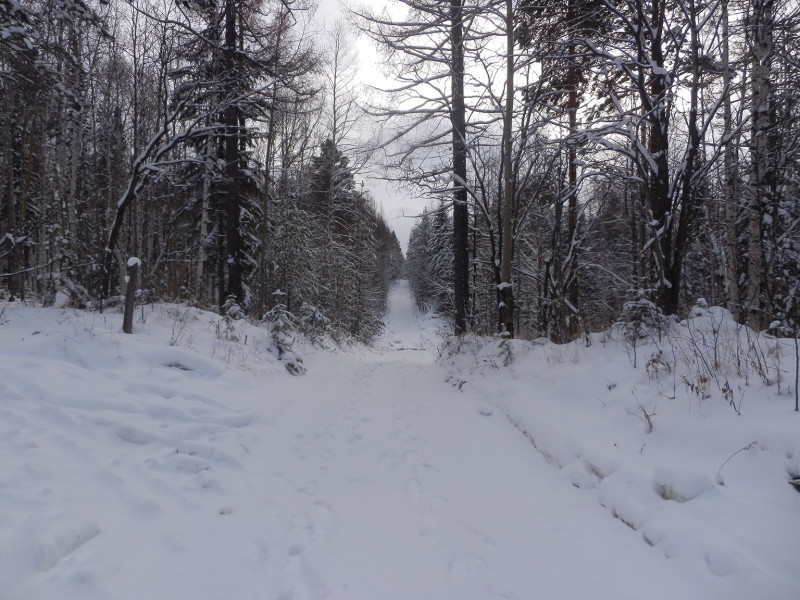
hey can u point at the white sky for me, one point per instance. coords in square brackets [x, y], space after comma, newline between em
[400, 206]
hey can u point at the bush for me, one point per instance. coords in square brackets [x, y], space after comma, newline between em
[641, 319]
[283, 326]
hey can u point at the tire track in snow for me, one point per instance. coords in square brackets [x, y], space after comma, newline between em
[372, 465]
[433, 497]
[368, 478]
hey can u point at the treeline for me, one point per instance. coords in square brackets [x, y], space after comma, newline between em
[204, 137]
[589, 153]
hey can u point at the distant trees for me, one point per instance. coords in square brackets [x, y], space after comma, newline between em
[429, 261]
[652, 146]
[577, 154]
[344, 235]
[428, 47]
[187, 134]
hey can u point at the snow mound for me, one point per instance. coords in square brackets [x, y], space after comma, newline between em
[682, 484]
[63, 543]
[649, 442]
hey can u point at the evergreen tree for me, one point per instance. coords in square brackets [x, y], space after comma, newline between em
[429, 263]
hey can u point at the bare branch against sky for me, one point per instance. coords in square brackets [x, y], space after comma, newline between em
[400, 206]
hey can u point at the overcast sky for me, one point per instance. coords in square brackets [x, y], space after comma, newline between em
[400, 206]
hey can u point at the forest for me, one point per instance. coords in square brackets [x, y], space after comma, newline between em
[571, 370]
[586, 161]
[207, 139]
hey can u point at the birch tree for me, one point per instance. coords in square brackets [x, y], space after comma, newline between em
[43, 84]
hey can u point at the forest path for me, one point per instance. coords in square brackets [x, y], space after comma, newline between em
[407, 489]
[133, 468]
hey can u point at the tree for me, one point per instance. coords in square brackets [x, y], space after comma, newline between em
[43, 85]
[763, 173]
[417, 269]
[233, 119]
[505, 287]
[460, 210]
[432, 38]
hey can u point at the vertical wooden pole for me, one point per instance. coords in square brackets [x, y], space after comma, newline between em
[130, 294]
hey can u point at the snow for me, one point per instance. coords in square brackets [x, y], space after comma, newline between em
[62, 299]
[681, 485]
[582, 409]
[134, 261]
[184, 462]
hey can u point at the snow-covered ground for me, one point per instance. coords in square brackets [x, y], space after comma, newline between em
[183, 462]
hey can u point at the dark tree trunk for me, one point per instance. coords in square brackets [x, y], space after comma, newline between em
[571, 283]
[232, 156]
[460, 207]
[505, 291]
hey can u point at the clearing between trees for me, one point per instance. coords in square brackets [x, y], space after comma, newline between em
[183, 462]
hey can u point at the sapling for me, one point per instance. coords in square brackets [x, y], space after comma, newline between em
[640, 319]
[180, 316]
[283, 327]
[504, 347]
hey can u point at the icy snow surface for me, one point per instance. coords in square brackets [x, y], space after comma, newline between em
[183, 462]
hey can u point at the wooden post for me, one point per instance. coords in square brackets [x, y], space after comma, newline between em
[130, 294]
[796, 371]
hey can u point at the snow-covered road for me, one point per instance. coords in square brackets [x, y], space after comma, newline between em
[135, 470]
[407, 489]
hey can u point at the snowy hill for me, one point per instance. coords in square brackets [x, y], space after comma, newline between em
[183, 462]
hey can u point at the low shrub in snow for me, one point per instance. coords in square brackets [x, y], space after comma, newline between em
[283, 326]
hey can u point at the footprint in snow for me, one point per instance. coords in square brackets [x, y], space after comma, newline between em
[132, 435]
[180, 463]
[61, 544]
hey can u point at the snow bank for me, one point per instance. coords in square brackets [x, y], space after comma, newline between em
[714, 403]
[184, 462]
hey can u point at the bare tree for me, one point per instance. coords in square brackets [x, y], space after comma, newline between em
[428, 46]
[652, 59]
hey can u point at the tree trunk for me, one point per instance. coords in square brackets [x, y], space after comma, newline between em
[659, 180]
[693, 147]
[762, 176]
[460, 208]
[571, 291]
[205, 209]
[731, 195]
[231, 119]
[505, 290]
[130, 295]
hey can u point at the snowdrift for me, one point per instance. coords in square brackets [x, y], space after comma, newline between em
[695, 449]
